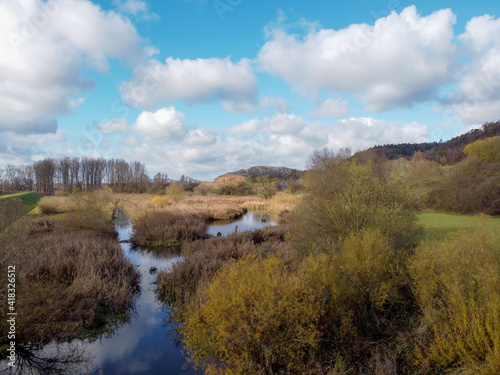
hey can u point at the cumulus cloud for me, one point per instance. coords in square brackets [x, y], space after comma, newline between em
[200, 80]
[332, 108]
[44, 47]
[266, 103]
[400, 60]
[164, 125]
[476, 98]
[113, 126]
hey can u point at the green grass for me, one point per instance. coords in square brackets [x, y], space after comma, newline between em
[29, 199]
[438, 225]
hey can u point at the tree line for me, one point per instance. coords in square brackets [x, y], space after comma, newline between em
[80, 173]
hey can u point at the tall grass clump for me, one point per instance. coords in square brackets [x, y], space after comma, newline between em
[51, 205]
[167, 228]
[457, 284]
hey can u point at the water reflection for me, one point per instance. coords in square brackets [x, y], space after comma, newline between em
[145, 345]
[249, 221]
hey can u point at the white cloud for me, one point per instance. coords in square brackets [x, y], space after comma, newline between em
[113, 126]
[164, 125]
[278, 124]
[333, 108]
[44, 47]
[200, 80]
[136, 8]
[270, 103]
[477, 97]
[400, 60]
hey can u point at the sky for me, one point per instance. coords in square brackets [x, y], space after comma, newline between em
[201, 88]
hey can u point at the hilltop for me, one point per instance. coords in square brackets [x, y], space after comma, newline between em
[282, 173]
[448, 152]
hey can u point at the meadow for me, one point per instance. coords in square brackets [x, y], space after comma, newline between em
[438, 224]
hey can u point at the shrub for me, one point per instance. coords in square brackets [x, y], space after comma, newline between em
[50, 205]
[175, 192]
[364, 289]
[90, 210]
[344, 197]
[255, 317]
[167, 228]
[457, 284]
[160, 201]
[265, 187]
[470, 186]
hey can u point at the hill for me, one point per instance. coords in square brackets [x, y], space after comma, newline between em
[448, 152]
[282, 173]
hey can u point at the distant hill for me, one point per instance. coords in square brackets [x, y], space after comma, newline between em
[448, 152]
[274, 172]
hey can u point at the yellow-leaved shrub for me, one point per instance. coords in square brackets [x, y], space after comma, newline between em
[457, 284]
[255, 317]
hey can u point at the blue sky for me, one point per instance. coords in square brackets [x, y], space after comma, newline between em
[204, 87]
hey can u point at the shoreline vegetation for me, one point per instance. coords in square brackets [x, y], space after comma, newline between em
[72, 280]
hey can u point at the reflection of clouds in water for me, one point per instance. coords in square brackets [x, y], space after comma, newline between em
[144, 345]
[249, 221]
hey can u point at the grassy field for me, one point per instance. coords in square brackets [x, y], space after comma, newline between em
[437, 225]
[29, 199]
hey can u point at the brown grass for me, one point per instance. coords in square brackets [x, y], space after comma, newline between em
[167, 228]
[53, 205]
[69, 282]
[209, 207]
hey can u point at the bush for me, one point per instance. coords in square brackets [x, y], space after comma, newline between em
[90, 210]
[265, 187]
[457, 284]
[344, 197]
[160, 201]
[167, 228]
[50, 205]
[470, 186]
[255, 317]
[175, 192]
[366, 298]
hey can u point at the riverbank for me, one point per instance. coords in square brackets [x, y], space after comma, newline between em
[71, 278]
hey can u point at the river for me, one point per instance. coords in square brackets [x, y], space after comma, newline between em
[146, 344]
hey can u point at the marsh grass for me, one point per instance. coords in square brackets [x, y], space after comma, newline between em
[207, 207]
[68, 283]
[167, 228]
[71, 277]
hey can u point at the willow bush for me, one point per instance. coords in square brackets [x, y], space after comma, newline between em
[457, 283]
[255, 317]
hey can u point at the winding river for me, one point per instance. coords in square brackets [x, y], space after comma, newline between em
[147, 343]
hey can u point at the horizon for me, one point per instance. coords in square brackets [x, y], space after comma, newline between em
[201, 88]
